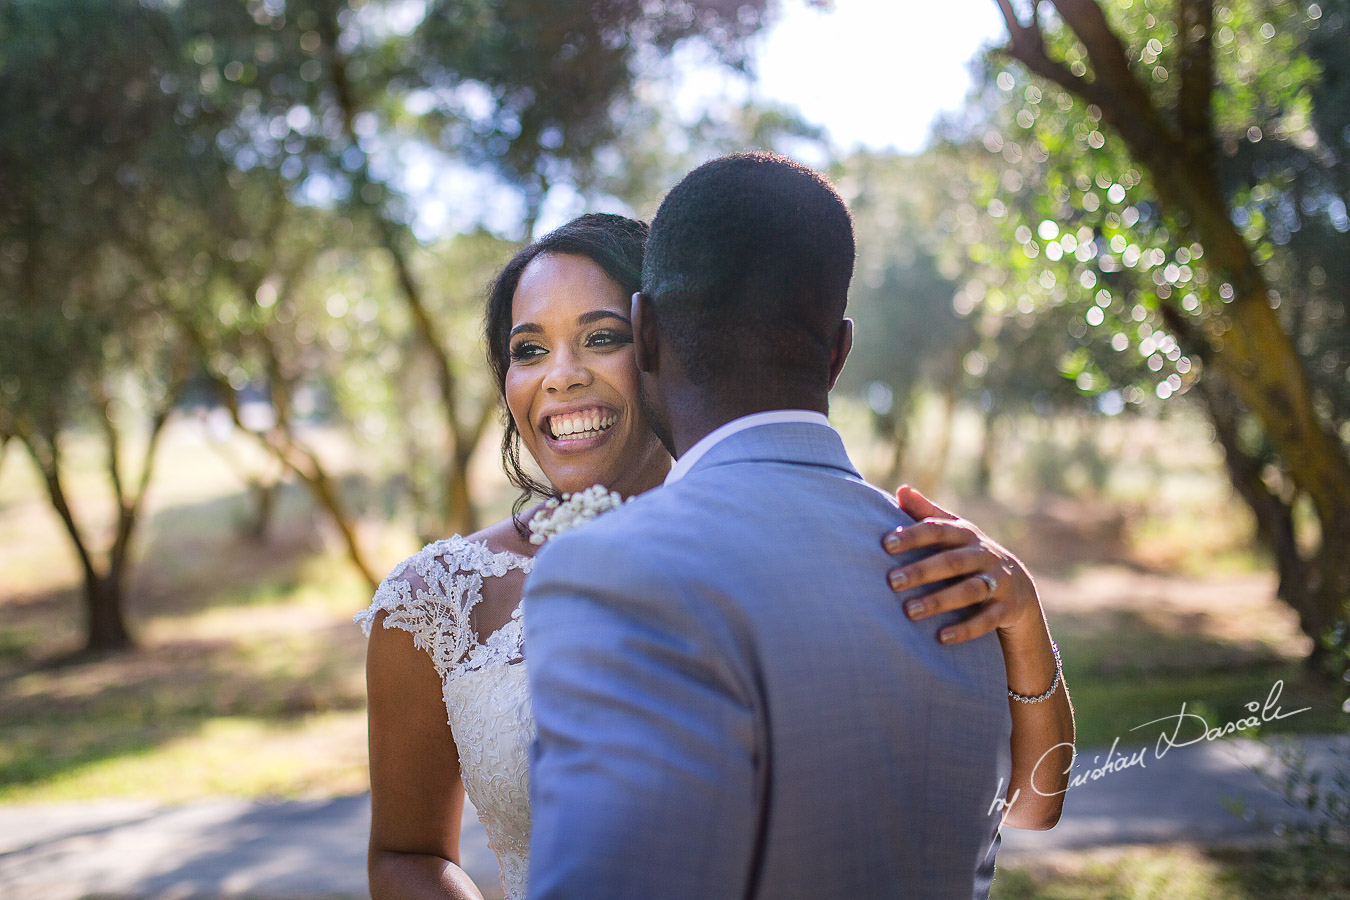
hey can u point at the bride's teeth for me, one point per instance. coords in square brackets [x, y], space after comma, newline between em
[566, 426]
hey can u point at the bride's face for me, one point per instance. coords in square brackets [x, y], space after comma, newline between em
[571, 382]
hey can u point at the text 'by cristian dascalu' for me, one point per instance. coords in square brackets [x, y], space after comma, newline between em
[1186, 728]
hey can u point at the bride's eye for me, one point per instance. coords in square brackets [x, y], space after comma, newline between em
[607, 338]
[525, 350]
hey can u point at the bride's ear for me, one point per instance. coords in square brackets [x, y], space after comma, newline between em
[644, 334]
[843, 343]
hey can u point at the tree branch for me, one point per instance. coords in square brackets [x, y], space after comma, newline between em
[1026, 44]
[1191, 337]
[103, 408]
[157, 424]
[1195, 25]
[47, 456]
[130, 508]
[486, 414]
[1124, 102]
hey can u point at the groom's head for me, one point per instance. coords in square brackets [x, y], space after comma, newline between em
[744, 284]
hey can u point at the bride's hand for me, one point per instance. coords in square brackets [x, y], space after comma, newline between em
[995, 582]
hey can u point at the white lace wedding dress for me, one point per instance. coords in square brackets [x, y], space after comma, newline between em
[433, 595]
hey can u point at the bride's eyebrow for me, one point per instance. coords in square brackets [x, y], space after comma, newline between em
[585, 318]
[596, 315]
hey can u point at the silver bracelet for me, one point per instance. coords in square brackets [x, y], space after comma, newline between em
[1054, 683]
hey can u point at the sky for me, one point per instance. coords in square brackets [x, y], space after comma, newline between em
[875, 73]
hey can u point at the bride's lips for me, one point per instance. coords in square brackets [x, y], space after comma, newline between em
[578, 427]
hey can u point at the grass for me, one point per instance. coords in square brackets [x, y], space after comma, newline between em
[252, 756]
[261, 700]
[1139, 661]
[1292, 872]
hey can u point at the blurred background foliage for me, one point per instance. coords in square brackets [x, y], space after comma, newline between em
[244, 248]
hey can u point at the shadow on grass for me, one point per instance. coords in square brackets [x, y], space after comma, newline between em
[232, 637]
[1129, 667]
[59, 721]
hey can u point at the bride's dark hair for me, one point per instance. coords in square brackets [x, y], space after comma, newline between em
[615, 244]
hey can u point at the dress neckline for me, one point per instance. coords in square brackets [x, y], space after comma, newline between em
[503, 645]
[487, 548]
[483, 544]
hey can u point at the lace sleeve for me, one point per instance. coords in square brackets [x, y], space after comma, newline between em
[431, 595]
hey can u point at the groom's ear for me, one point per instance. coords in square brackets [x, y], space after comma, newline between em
[644, 333]
[843, 343]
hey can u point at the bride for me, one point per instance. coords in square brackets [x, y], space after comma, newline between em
[449, 712]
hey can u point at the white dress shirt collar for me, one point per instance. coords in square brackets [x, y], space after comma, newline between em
[735, 426]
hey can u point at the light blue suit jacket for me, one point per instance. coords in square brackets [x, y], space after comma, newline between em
[730, 702]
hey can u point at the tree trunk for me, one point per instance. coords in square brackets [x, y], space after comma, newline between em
[105, 626]
[900, 443]
[1312, 586]
[932, 473]
[461, 516]
[1328, 598]
[989, 447]
[263, 493]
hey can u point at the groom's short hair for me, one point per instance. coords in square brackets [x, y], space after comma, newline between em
[747, 267]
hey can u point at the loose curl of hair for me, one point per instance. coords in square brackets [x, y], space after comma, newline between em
[615, 244]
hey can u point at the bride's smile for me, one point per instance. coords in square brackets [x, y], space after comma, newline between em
[571, 382]
[572, 427]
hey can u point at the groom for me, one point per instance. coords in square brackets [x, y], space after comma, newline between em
[728, 702]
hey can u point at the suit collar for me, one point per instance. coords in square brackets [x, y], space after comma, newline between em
[798, 439]
[690, 458]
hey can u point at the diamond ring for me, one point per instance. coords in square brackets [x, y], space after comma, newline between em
[990, 581]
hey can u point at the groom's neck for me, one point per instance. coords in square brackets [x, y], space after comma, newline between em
[695, 412]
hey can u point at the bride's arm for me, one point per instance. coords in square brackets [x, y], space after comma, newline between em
[416, 796]
[1042, 731]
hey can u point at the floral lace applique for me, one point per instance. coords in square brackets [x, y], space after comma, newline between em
[432, 595]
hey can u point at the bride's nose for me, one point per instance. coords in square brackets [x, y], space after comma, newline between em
[566, 372]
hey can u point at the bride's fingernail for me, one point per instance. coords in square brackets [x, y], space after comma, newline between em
[913, 608]
[892, 542]
[946, 636]
[898, 580]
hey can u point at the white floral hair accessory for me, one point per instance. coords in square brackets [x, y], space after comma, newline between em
[576, 509]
